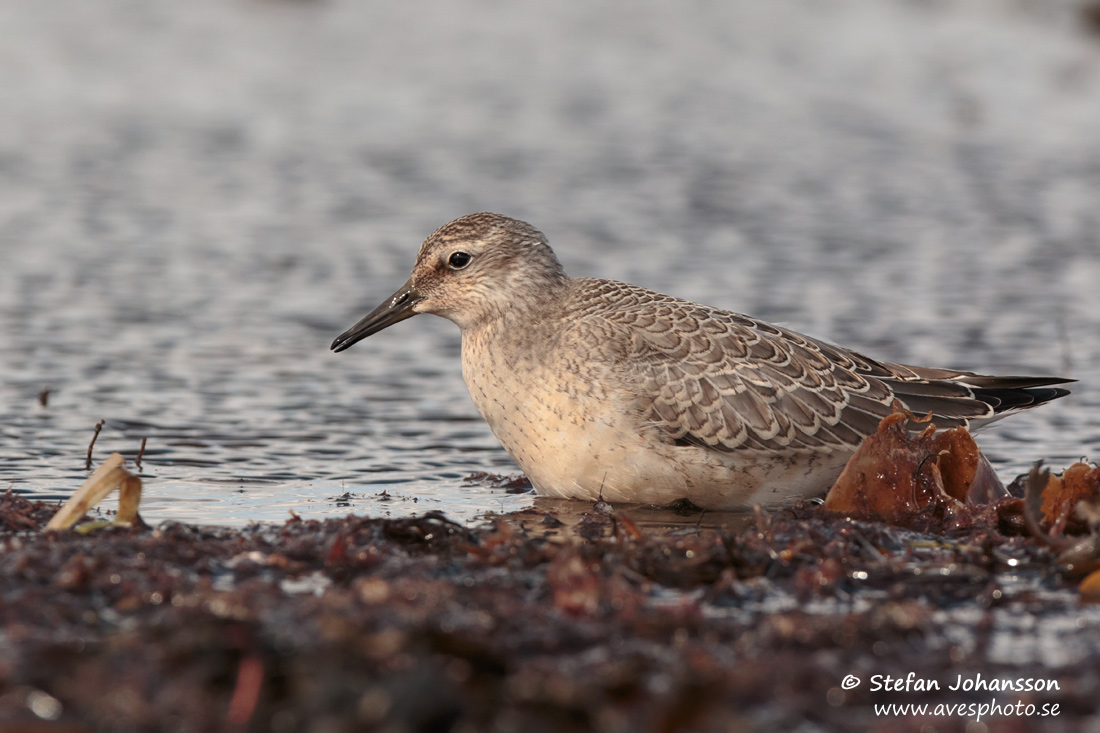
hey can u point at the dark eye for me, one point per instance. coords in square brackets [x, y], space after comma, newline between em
[458, 260]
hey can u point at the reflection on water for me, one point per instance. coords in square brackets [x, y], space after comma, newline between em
[561, 518]
[184, 233]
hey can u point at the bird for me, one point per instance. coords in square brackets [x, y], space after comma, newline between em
[602, 390]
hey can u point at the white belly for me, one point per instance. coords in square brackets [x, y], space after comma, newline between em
[574, 440]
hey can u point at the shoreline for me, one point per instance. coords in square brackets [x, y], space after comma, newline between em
[530, 622]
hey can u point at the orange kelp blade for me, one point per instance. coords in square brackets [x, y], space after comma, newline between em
[896, 474]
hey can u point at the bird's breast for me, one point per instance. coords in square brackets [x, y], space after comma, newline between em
[550, 414]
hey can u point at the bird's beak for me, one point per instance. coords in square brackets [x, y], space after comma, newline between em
[397, 307]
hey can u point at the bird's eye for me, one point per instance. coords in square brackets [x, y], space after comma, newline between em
[458, 260]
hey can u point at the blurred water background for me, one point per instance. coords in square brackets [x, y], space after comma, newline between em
[195, 198]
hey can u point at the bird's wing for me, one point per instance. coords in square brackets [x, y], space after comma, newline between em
[727, 382]
[722, 380]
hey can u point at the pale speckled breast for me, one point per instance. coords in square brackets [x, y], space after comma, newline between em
[558, 425]
[575, 430]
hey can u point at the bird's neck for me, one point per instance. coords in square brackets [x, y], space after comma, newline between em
[519, 321]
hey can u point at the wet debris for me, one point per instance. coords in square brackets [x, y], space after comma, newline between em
[17, 514]
[1048, 501]
[515, 483]
[109, 476]
[540, 621]
[915, 480]
[140, 454]
[426, 624]
[91, 445]
[940, 482]
[1064, 492]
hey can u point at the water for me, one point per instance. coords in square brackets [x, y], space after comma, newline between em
[196, 198]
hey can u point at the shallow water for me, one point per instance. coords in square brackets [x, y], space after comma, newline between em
[196, 198]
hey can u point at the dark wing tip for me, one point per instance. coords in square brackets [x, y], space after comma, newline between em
[1006, 394]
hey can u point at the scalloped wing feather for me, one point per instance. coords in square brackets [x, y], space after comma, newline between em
[725, 381]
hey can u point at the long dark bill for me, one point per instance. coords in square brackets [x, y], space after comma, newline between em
[396, 308]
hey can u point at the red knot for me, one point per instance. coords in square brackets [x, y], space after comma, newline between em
[600, 388]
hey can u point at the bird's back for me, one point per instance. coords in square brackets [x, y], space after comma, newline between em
[722, 380]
